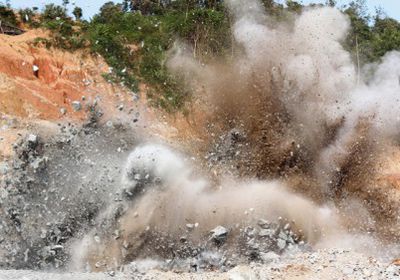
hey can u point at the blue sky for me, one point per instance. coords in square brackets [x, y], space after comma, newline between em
[391, 7]
[90, 7]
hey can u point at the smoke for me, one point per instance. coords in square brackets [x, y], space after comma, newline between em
[297, 126]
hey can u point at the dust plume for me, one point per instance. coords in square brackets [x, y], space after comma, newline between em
[294, 92]
[296, 131]
[173, 196]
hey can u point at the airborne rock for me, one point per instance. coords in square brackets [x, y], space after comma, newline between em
[76, 105]
[32, 139]
[219, 234]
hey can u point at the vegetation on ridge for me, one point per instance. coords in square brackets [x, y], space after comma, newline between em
[134, 37]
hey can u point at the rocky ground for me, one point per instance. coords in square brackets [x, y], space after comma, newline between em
[327, 265]
[56, 185]
[60, 177]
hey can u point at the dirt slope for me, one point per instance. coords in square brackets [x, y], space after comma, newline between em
[47, 95]
[61, 78]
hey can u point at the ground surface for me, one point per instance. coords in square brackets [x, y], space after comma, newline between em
[327, 265]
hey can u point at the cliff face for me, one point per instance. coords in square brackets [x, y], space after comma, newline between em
[39, 83]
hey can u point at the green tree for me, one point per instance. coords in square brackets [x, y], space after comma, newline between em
[385, 36]
[294, 6]
[359, 39]
[125, 6]
[331, 3]
[77, 12]
[53, 12]
[7, 14]
[108, 12]
[146, 7]
[28, 16]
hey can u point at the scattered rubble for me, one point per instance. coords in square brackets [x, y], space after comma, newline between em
[67, 178]
[302, 266]
[76, 105]
[32, 139]
[52, 189]
[219, 234]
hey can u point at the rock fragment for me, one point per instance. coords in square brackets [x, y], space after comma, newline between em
[32, 139]
[190, 226]
[63, 111]
[269, 257]
[219, 234]
[76, 105]
[264, 224]
[266, 233]
[4, 168]
[281, 244]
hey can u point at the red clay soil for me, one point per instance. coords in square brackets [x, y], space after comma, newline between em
[62, 78]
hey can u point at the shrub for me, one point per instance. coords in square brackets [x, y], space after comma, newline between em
[29, 16]
[7, 15]
[53, 12]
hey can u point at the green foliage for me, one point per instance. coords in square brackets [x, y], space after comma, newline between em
[207, 30]
[294, 6]
[360, 35]
[385, 36]
[145, 7]
[66, 33]
[39, 41]
[77, 12]
[108, 12]
[28, 16]
[135, 45]
[105, 41]
[53, 12]
[134, 37]
[371, 41]
[7, 15]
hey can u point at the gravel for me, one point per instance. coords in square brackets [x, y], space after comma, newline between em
[76, 105]
[347, 265]
[52, 190]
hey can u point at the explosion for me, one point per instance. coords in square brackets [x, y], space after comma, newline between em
[296, 131]
[284, 152]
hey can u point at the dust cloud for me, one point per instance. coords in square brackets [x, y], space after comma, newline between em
[294, 91]
[301, 126]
